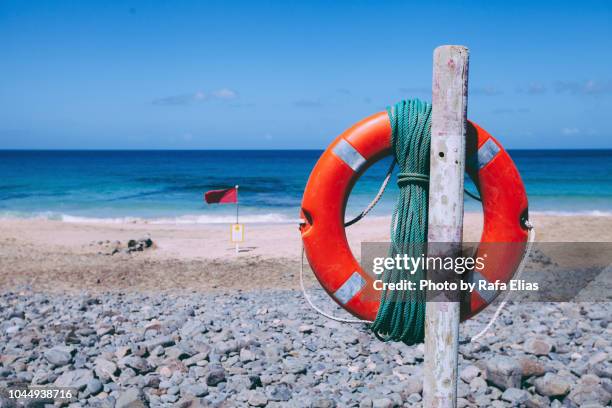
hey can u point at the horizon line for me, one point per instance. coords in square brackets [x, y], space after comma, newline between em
[242, 150]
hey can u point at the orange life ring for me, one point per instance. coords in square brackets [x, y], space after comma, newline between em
[504, 202]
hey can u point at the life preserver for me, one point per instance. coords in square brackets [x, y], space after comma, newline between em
[504, 202]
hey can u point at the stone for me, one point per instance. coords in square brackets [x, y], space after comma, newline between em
[531, 367]
[504, 372]
[59, 356]
[197, 390]
[382, 403]
[279, 392]
[215, 375]
[323, 403]
[246, 355]
[164, 341]
[74, 379]
[515, 396]
[257, 399]
[94, 386]
[538, 346]
[306, 328]
[104, 369]
[468, 373]
[195, 359]
[412, 385]
[295, 366]
[478, 385]
[589, 390]
[192, 328]
[138, 364]
[131, 398]
[552, 385]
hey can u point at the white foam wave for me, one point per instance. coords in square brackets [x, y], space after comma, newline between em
[190, 219]
[592, 213]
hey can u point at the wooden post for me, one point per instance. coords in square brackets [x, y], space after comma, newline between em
[448, 128]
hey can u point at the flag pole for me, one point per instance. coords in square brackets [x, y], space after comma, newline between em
[237, 212]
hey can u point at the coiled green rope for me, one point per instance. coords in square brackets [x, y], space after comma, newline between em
[401, 315]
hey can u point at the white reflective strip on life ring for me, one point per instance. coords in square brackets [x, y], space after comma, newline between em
[347, 153]
[487, 152]
[486, 295]
[349, 288]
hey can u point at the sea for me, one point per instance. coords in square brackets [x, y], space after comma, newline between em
[167, 186]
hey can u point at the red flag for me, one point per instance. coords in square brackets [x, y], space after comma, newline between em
[228, 195]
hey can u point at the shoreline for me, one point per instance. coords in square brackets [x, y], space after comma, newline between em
[272, 218]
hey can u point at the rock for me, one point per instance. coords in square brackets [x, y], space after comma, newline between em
[74, 379]
[589, 390]
[257, 399]
[468, 373]
[478, 385]
[164, 341]
[598, 358]
[196, 390]
[215, 376]
[104, 369]
[59, 356]
[131, 398]
[504, 372]
[94, 386]
[603, 370]
[295, 366]
[382, 403]
[138, 364]
[306, 328]
[538, 346]
[105, 329]
[322, 403]
[279, 392]
[247, 355]
[195, 359]
[515, 396]
[531, 367]
[412, 385]
[192, 328]
[552, 385]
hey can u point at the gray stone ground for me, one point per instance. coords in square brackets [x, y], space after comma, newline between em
[269, 349]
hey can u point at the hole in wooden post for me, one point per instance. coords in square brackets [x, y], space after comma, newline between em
[441, 154]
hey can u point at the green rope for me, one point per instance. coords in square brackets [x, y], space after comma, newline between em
[401, 315]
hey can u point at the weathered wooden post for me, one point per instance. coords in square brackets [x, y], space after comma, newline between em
[448, 128]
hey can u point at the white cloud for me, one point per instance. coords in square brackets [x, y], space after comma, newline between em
[225, 93]
[570, 131]
[588, 87]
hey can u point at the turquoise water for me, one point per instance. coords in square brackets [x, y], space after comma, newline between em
[167, 186]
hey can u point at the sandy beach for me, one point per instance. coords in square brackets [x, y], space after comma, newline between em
[56, 256]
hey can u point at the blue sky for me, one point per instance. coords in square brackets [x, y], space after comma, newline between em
[195, 74]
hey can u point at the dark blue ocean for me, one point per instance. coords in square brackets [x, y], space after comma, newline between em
[167, 186]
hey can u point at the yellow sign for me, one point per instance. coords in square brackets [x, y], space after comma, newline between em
[237, 233]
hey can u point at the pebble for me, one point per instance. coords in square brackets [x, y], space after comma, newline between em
[59, 355]
[257, 399]
[131, 398]
[552, 385]
[538, 346]
[515, 396]
[468, 373]
[215, 376]
[504, 372]
[244, 349]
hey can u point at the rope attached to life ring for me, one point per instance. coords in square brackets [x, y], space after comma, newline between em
[401, 315]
